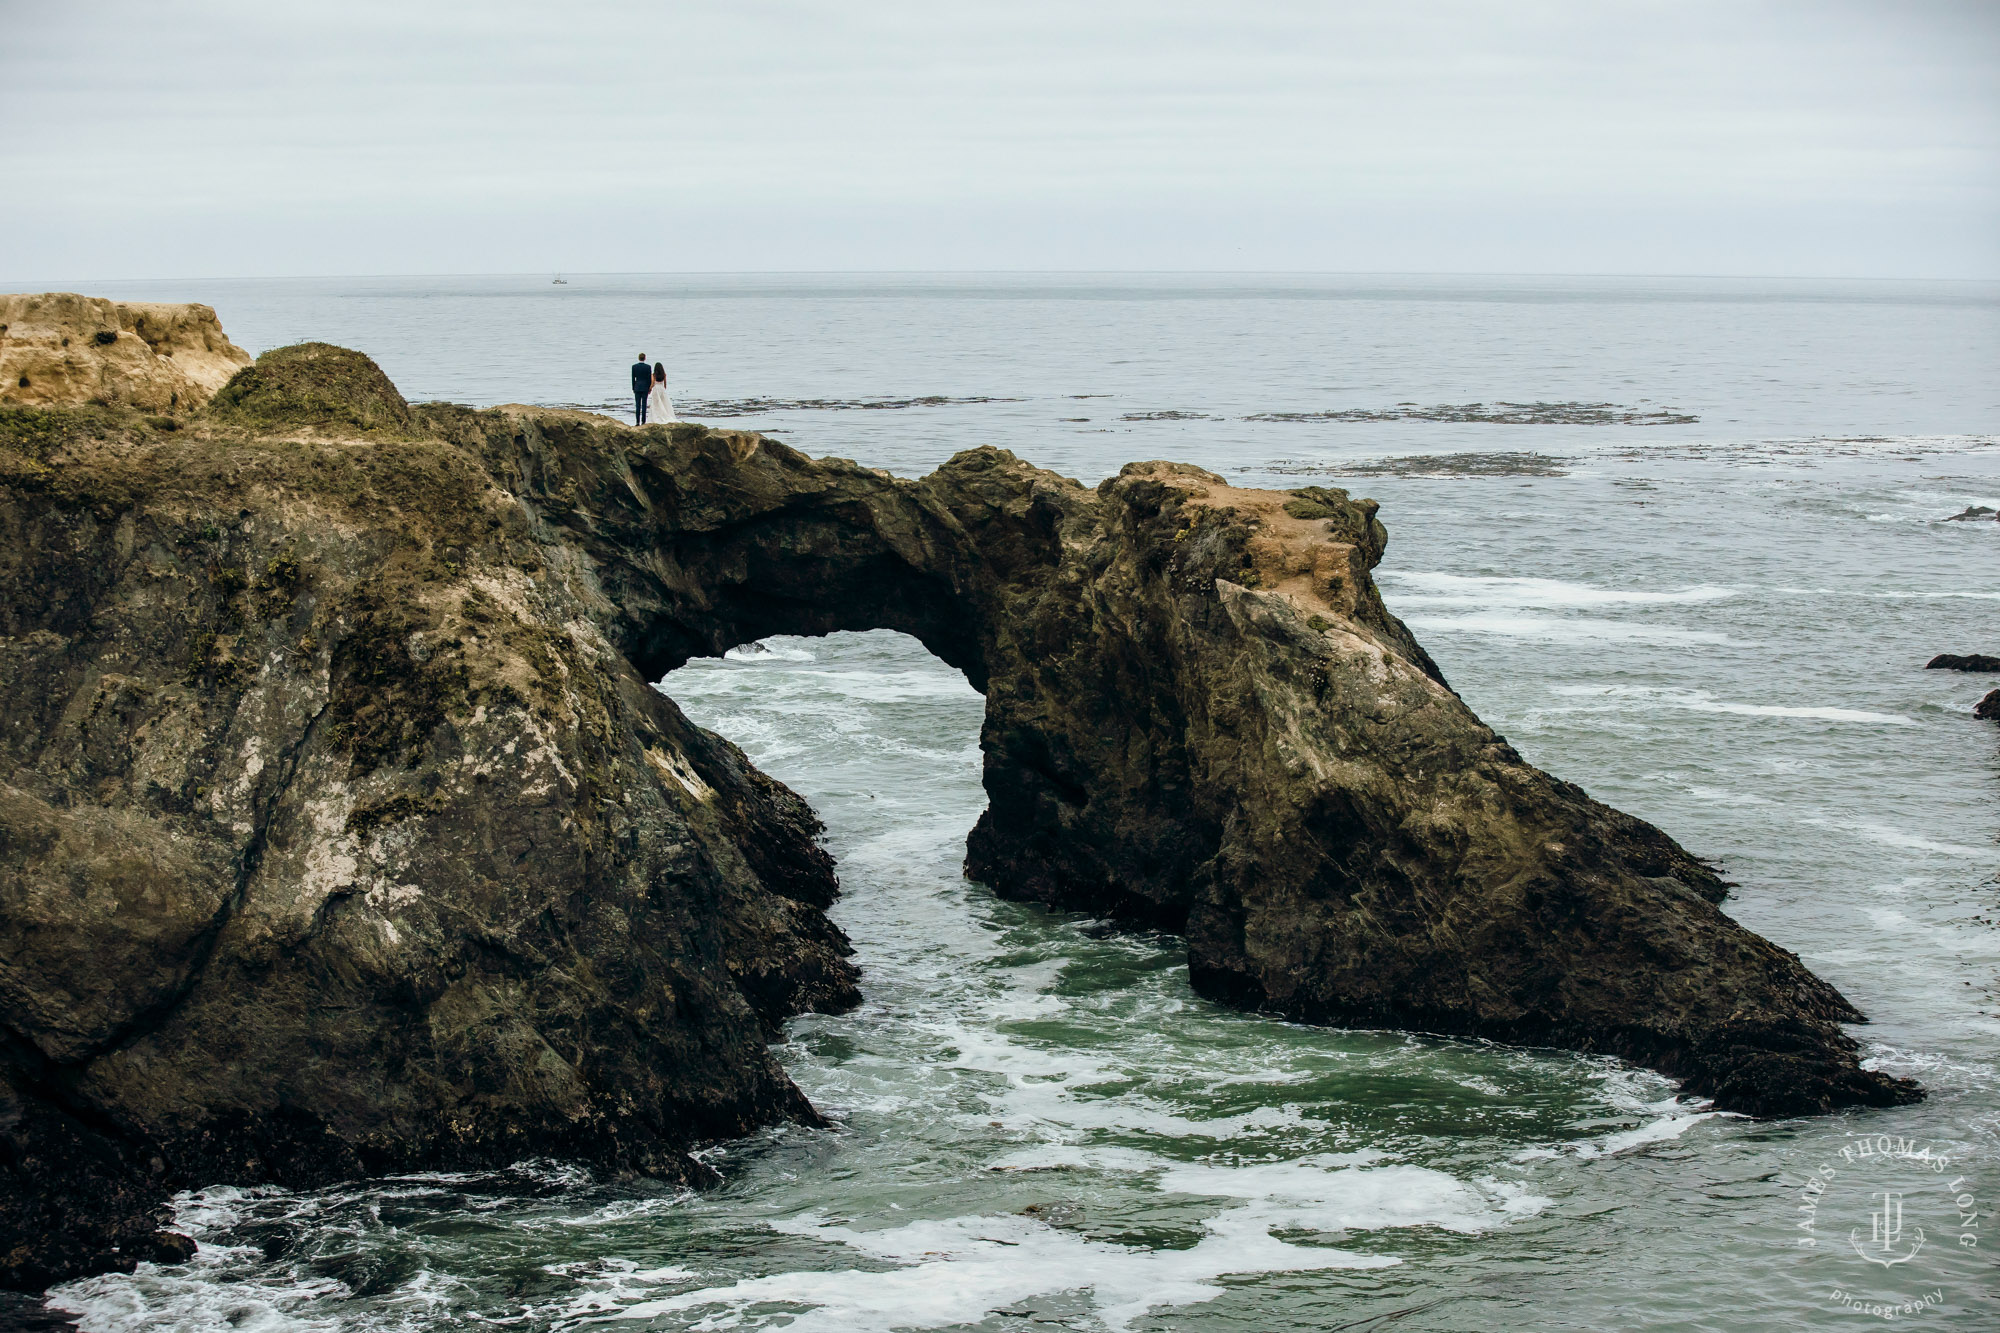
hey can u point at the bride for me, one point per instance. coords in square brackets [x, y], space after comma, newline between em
[659, 407]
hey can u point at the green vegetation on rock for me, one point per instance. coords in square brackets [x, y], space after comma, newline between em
[312, 384]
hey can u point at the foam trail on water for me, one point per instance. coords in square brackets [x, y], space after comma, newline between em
[1550, 629]
[960, 1270]
[1699, 701]
[1428, 588]
[1891, 837]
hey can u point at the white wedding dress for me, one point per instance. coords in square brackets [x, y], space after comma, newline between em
[659, 407]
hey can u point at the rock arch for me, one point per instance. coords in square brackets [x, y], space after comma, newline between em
[344, 832]
[1201, 716]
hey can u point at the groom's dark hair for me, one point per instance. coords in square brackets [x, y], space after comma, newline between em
[642, 356]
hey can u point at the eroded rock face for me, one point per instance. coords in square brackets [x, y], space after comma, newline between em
[335, 838]
[1200, 716]
[58, 349]
[342, 832]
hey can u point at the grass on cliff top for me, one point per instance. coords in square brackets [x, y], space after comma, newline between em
[37, 432]
[110, 460]
[312, 384]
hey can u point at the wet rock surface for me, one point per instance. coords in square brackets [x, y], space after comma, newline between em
[1969, 662]
[1988, 707]
[343, 832]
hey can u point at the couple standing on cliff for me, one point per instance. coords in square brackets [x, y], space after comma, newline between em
[649, 393]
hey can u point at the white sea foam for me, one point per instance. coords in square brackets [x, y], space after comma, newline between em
[1892, 837]
[1635, 1093]
[1551, 629]
[820, 689]
[1356, 1190]
[209, 1292]
[619, 1210]
[612, 1284]
[1428, 588]
[1700, 701]
[1720, 796]
[959, 1270]
[1896, 595]
[1663, 1130]
[193, 1298]
[1328, 1192]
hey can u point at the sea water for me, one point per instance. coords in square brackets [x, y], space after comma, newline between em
[1717, 623]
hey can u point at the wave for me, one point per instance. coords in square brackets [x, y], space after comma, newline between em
[1670, 1118]
[1430, 588]
[961, 1270]
[1926, 596]
[1883, 835]
[1551, 630]
[782, 648]
[1700, 701]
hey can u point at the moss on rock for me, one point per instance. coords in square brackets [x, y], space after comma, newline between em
[313, 384]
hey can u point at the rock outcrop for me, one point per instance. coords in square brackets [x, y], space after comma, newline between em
[1969, 662]
[58, 349]
[341, 832]
[335, 838]
[1988, 707]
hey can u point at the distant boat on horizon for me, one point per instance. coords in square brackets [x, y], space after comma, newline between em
[560, 281]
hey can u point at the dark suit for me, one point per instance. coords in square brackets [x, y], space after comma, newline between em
[642, 384]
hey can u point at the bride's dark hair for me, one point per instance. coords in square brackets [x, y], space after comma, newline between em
[659, 372]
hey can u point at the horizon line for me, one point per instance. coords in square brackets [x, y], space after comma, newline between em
[1050, 272]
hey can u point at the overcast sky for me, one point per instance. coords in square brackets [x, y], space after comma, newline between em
[211, 138]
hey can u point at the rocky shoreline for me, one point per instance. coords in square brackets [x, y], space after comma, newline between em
[341, 831]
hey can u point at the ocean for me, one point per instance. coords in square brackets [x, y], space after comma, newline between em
[1681, 540]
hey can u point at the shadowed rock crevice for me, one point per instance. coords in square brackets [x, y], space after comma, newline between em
[344, 833]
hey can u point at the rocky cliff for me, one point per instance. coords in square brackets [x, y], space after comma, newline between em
[341, 832]
[61, 349]
[336, 838]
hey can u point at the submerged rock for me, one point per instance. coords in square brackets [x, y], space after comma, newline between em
[1505, 414]
[1435, 466]
[1974, 514]
[1970, 662]
[344, 834]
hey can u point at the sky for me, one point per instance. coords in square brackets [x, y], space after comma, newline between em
[212, 138]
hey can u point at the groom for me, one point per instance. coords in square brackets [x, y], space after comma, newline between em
[642, 384]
